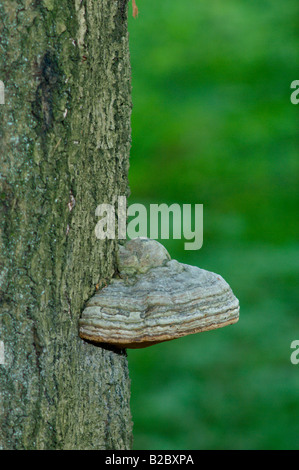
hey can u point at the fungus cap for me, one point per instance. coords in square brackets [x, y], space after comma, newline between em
[156, 299]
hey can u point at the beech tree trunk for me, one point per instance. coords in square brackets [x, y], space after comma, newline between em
[65, 140]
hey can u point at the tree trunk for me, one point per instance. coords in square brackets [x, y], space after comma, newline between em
[65, 139]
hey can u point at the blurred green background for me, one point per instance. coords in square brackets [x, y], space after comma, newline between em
[213, 124]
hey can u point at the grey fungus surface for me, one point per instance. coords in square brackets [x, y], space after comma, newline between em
[156, 299]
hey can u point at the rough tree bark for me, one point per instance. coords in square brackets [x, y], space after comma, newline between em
[65, 139]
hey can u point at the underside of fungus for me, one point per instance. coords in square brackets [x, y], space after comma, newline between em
[156, 299]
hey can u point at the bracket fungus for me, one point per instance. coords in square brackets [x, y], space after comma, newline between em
[156, 299]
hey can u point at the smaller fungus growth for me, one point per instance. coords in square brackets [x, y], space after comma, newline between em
[135, 9]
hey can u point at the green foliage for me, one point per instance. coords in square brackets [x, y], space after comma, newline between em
[213, 124]
[212, 119]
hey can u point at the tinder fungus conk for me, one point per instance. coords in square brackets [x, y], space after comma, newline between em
[156, 299]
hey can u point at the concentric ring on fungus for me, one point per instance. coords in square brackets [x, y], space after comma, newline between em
[156, 299]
